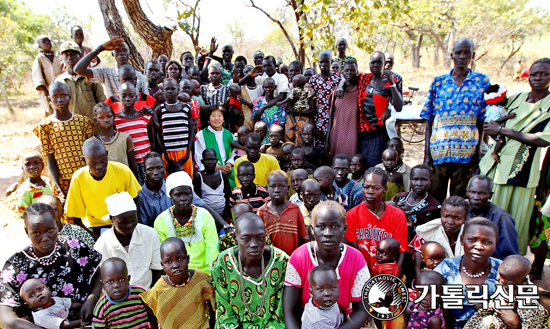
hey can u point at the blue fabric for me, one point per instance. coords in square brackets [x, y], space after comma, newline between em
[453, 112]
[507, 235]
[353, 192]
[372, 146]
[339, 197]
[450, 269]
[153, 204]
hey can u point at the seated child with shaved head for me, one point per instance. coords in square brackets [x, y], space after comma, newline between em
[36, 185]
[47, 311]
[274, 147]
[386, 255]
[513, 271]
[322, 311]
[189, 291]
[121, 306]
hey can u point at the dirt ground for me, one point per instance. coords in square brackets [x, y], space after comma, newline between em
[16, 136]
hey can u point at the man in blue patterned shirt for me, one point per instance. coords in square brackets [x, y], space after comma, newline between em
[454, 113]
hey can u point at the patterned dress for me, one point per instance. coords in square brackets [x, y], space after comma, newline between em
[421, 319]
[182, 307]
[323, 89]
[274, 115]
[137, 129]
[64, 139]
[30, 193]
[230, 308]
[293, 128]
[69, 275]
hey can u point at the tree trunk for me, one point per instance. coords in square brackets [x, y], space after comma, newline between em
[450, 45]
[115, 28]
[416, 51]
[5, 94]
[436, 55]
[158, 38]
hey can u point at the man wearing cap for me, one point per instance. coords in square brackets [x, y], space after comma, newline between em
[45, 68]
[84, 94]
[193, 225]
[90, 186]
[136, 244]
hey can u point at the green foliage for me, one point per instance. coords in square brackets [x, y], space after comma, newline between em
[19, 27]
[187, 17]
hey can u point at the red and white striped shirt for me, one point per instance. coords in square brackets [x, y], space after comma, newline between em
[137, 129]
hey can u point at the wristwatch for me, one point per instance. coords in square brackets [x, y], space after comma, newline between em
[226, 226]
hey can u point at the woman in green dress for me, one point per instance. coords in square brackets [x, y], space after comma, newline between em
[249, 279]
[517, 174]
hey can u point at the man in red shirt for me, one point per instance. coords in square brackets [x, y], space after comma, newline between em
[374, 220]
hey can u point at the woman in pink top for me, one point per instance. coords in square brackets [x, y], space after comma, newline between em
[327, 249]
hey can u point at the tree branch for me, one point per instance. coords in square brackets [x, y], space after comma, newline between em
[287, 36]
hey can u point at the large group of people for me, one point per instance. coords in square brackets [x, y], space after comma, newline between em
[210, 193]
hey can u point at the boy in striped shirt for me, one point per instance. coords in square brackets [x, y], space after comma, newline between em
[121, 307]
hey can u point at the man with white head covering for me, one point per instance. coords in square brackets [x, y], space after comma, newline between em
[193, 225]
[136, 244]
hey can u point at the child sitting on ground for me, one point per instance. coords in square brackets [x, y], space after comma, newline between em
[513, 271]
[315, 155]
[70, 231]
[118, 144]
[248, 192]
[395, 179]
[228, 239]
[274, 115]
[212, 185]
[235, 103]
[297, 177]
[298, 161]
[425, 315]
[61, 137]
[386, 255]
[180, 289]
[300, 108]
[283, 220]
[287, 147]
[260, 128]
[121, 306]
[275, 143]
[495, 98]
[321, 311]
[239, 145]
[175, 122]
[47, 311]
[311, 195]
[36, 185]
[137, 125]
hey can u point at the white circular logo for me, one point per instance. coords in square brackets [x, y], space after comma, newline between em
[385, 297]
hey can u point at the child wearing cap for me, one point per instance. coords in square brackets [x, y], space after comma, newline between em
[193, 225]
[495, 97]
[136, 244]
[84, 94]
[45, 68]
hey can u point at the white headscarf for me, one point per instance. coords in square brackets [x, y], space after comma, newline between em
[120, 203]
[179, 178]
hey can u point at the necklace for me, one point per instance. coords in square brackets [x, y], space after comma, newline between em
[243, 298]
[176, 103]
[48, 54]
[480, 274]
[54, 253]
[179, 285]
[109, 139]
[412, 205]
[372, 212]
